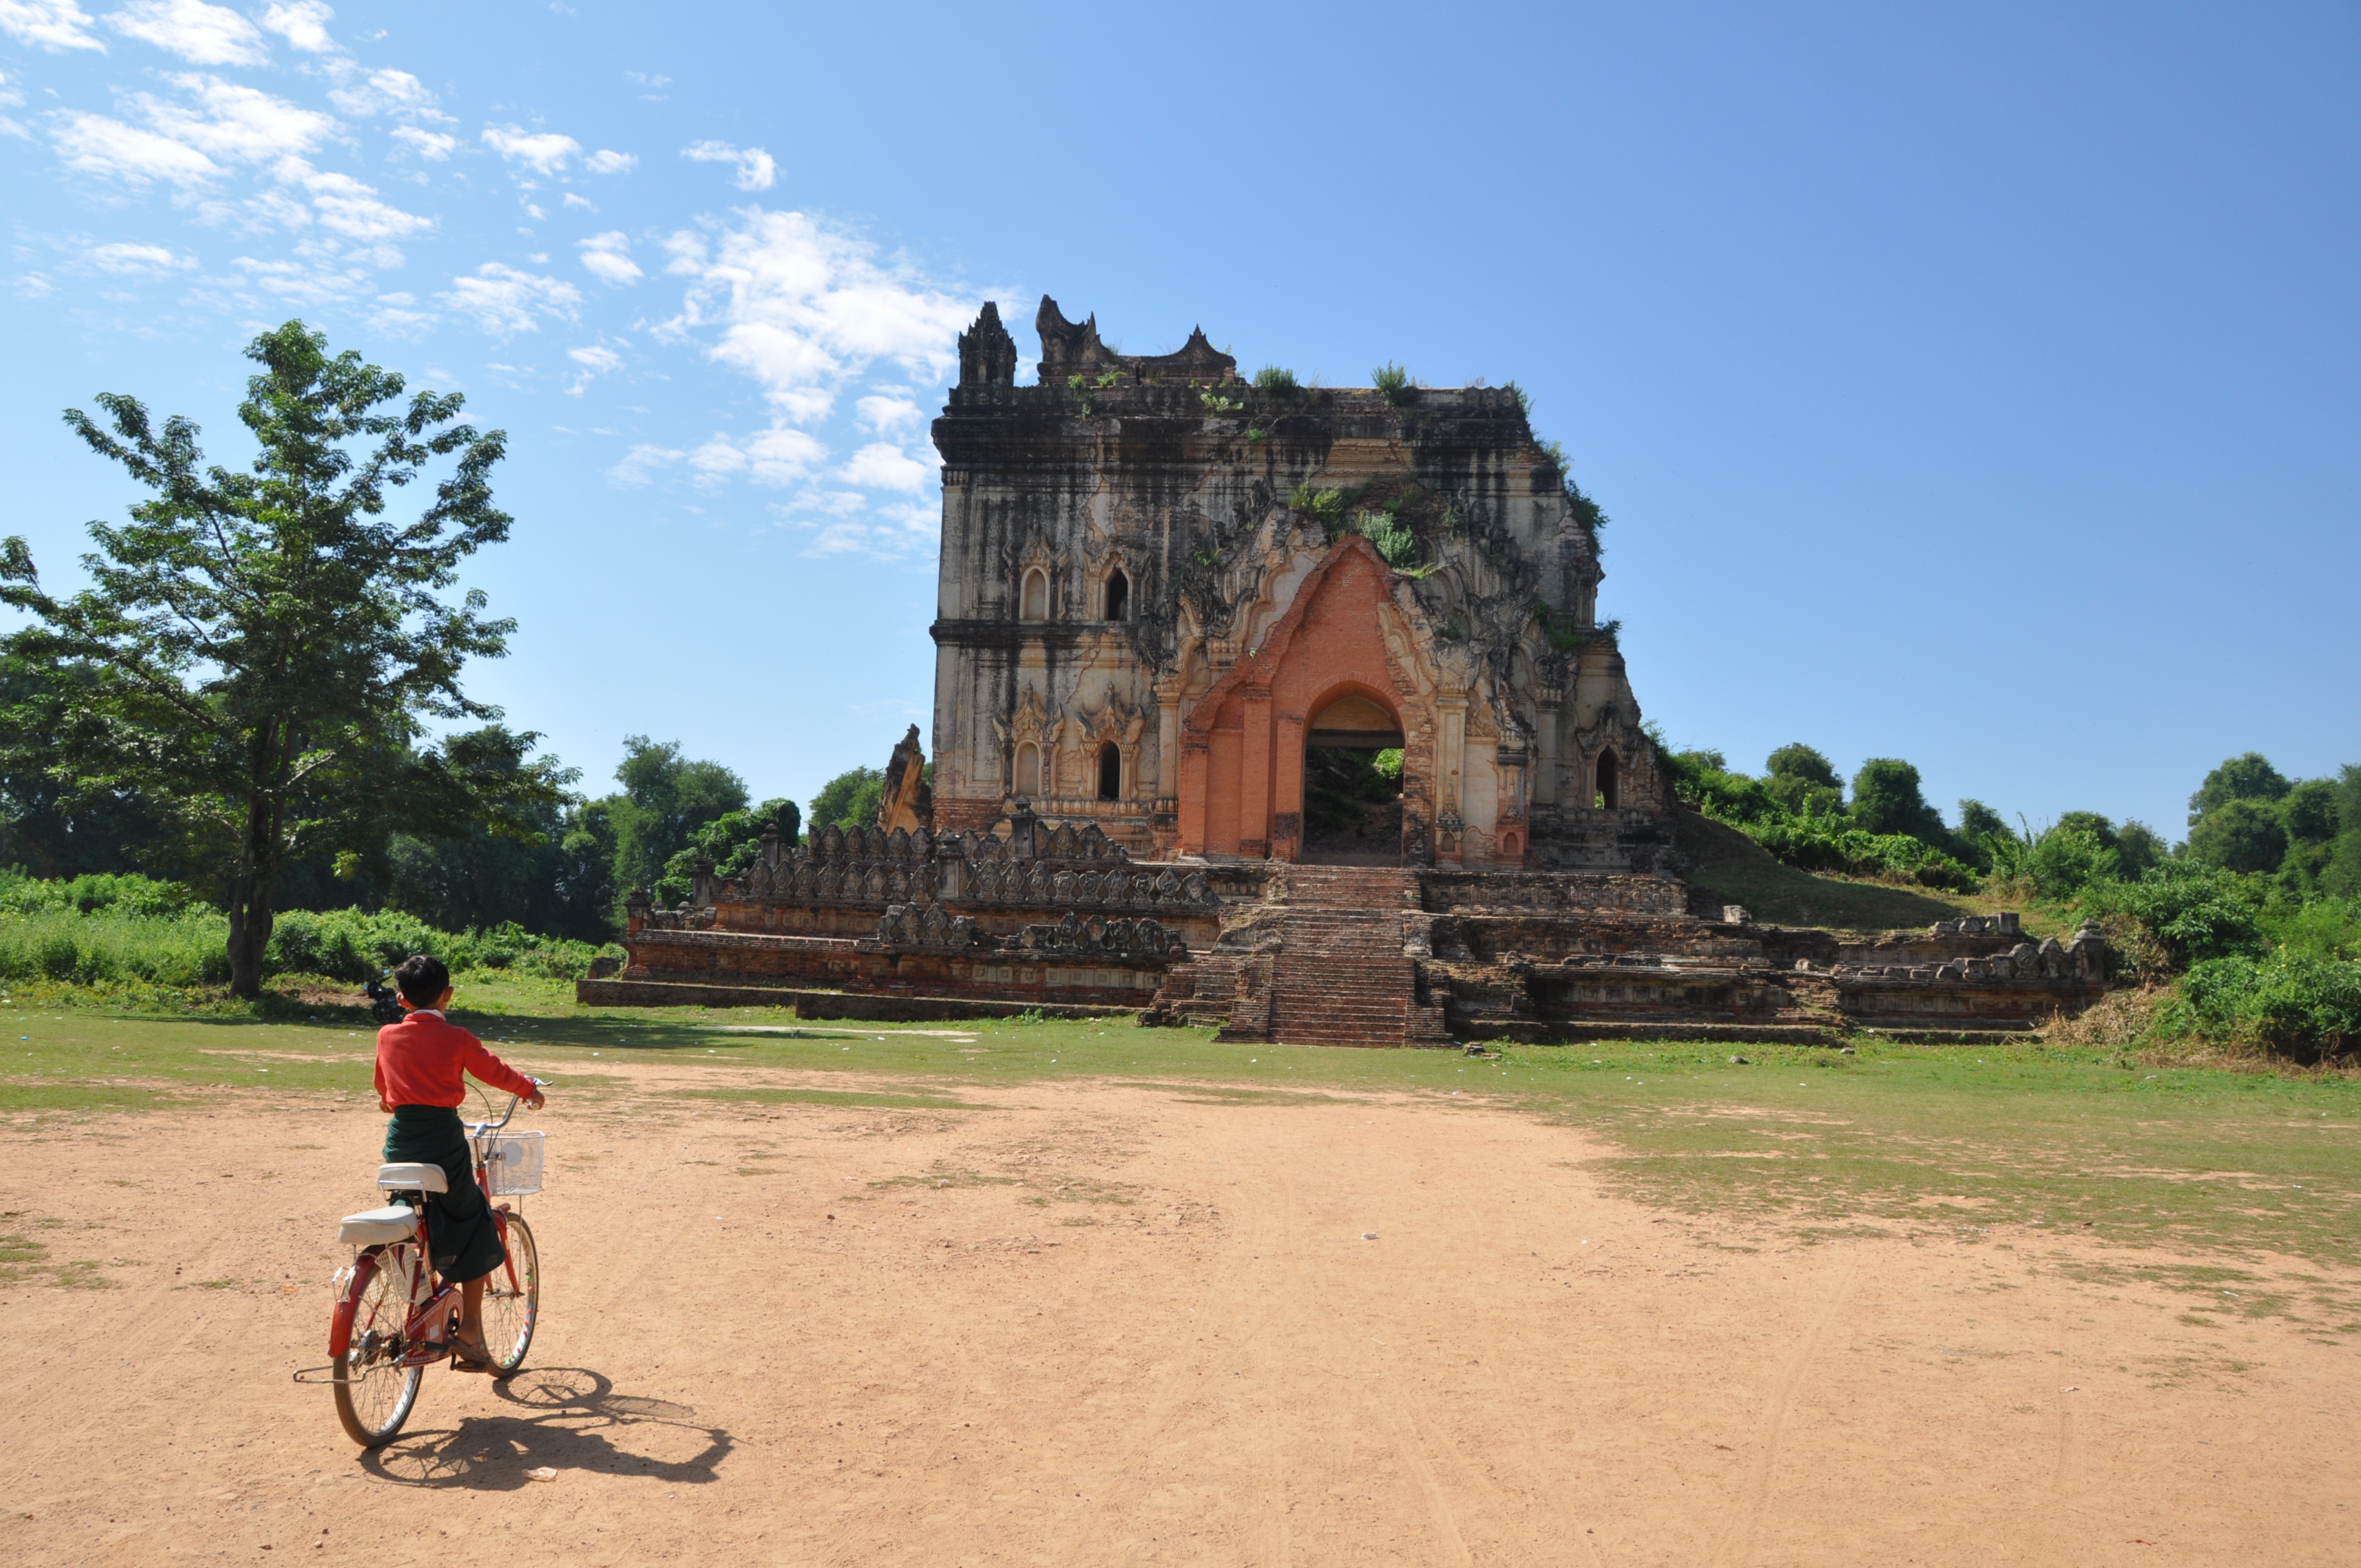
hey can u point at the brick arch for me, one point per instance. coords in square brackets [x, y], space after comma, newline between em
[1241, 744]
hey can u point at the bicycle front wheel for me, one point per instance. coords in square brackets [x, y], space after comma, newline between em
[513, 1301]
[375, 1392]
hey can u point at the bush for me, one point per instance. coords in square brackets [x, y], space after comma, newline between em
[60, 943]
[1271, 379]
[2181, 913]
[2290, 1004]
[1394, 384]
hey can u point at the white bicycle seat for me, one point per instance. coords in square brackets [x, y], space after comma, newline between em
[412, 1178]
[394, 1222]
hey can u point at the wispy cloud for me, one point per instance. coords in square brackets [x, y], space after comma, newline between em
[607, 256]
[639, 466]
[434, 145]
[596, 360]
[130, 259]
[543, 152]
[52, 24]
[802, 307]
[304, 23]
[757, 170]
[606, 161]
[384, 92]
[503, 300]
[882, 466]
[347, 207]
[198, 33]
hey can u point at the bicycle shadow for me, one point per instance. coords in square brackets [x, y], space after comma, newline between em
[568, 1419]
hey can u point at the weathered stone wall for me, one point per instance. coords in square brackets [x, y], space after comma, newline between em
[1179, 481]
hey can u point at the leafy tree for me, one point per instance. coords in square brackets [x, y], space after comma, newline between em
[666, 797]
[480, 878]
[588, 897]
[2240, 835]
[46, 824]
[1801, 761]
[1886, 799]
[2247, 777]
[1804, 781]
[2181, 912]
[2137, 848]
[849, 799]
[265, 647]
[728, 843]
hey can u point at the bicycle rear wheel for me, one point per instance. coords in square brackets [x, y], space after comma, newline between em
[375, 1392]
[513, 1301]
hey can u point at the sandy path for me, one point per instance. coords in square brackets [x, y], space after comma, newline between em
[993, 1362]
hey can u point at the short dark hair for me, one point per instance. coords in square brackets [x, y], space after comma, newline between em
[424, 979]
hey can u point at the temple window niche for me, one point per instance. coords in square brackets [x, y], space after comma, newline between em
[1609, 795]
[1028, 769]
[1110, 772]
[1119, 596]
[1033, 598]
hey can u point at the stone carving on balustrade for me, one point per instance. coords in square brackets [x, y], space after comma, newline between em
[841, 865]
[928, 926]
[1101, 938]
[2085, 960]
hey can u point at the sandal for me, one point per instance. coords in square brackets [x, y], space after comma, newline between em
[475, 1357]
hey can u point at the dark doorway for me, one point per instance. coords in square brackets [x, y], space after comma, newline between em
[1118, 597]
[1110, 772]
[1608, 797]
[1352, 785]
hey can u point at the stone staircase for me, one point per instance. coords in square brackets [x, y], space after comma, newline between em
[1335, 973]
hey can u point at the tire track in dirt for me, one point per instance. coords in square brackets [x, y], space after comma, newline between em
[1738, 1546]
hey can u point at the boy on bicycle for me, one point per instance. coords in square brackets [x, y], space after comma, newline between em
[420, 1064]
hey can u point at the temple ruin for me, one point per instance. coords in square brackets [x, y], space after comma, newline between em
[1285, 709]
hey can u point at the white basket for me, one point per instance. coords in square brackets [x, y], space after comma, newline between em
[512, 1161]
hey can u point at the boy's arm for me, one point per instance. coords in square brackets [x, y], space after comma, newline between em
[489, 1069]
[382, 1103]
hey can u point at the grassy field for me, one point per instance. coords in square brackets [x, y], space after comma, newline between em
[2222, 1168]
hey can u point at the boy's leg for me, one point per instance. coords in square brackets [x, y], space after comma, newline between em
[471, 1310]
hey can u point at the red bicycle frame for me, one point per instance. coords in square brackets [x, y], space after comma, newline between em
[422, 1332]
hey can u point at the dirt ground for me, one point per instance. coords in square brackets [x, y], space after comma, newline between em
[1122, 1323]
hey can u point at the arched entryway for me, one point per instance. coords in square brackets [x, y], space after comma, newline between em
[1245, 742]
[1352, 781]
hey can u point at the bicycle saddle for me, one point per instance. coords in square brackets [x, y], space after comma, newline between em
[413, 1176]
[394, 1222]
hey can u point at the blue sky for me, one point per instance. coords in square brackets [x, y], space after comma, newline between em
[1975, 384]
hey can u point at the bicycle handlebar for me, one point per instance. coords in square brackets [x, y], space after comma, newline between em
[514, 1101]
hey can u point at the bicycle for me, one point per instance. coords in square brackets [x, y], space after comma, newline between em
[393, 1317]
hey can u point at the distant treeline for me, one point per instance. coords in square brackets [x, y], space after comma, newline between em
[2253, 920]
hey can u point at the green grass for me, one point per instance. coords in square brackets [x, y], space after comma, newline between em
[2219, 1167]
[1734, 869]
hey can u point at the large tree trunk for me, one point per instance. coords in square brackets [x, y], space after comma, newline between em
[253, 886]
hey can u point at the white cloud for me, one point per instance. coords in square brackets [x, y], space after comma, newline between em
[639, 465]
[426, 144]
[757, 170]
[346, 206]
[386, 90]
[883, 465]
[543, 152]
[198, 33]
[605, 163]
[53, 25]
[316, 277]
[596, 361]
[137, 260]
[93, 144]
[304, 23]
[584, 202]
[890, 532]
[504, 301]
[778, 456]
[607, 256]
[886, 412]
[228, 120]
[801, 308]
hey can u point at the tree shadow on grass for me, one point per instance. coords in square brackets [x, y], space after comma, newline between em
[568, 1418]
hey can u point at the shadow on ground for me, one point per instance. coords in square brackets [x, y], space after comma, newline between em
[568, 1418]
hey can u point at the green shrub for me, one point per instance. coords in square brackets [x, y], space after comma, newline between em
[1394, 384]
[2293, 1004]
[1324, 507]
[58, 943]
[1278, 382]
[2183, 912]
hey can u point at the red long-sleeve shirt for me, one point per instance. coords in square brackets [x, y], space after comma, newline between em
[420, 1060]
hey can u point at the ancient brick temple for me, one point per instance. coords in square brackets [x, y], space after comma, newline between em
[1285, 709]
[1159, 586]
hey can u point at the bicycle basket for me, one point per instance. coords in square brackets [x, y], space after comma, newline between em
[512, 1161]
